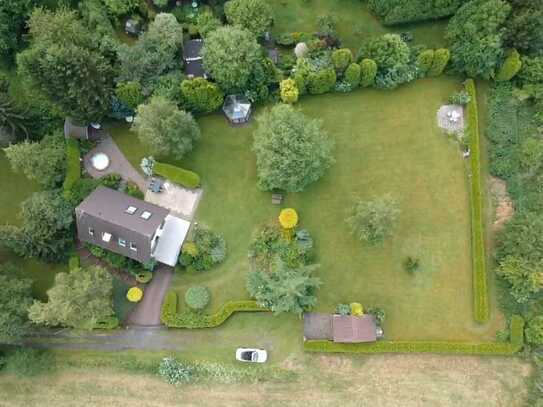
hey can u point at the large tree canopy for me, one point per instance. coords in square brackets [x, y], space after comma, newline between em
[291, 149]
[155, 53]
[78, 299]
[254, 15]
[231, 55]
[15, 298]
[525, 26]
[476, 37]
[13, 14]
[46, 230]
[166, 129]
[66, 65]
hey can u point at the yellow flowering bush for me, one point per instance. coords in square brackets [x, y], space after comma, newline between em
[135, 294]
[288, 218]
[357, 309]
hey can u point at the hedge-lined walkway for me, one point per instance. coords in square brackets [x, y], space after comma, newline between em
[118, 164]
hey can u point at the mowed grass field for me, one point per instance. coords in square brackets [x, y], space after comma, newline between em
[320, 380]
[354, 22]
[387, 142]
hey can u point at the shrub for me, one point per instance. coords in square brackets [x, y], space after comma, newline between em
[441, 59]
[531, 70]
[343, 309]
[133, 190]
[177, 175]
[480, 289]
[356, 309]
[368, 70]
[378, 314]
[411, 264]
[74, 262]
[373, 221]
[197, 298]
[321, 81]
[459, 98]
[73, 166]
[134, 294]
[27, 362]
[111, 322]
[111, 181]
[169, 307]
[510, 67]
[425, 60]
[388, 51]
[534, 331]
[204, 249]
[97, 251]
[200, 95]
[352, 75]
[130, 93]
[341, 58]
[175, 372]
[289, 91]
[144, 277]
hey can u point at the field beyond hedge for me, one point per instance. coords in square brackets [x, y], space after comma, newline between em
[386, 142]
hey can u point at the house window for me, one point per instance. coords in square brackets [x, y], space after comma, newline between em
[131, 210]
[133, 247]
[91, 231]
[122, 242]
[106, 237]
[146, 215]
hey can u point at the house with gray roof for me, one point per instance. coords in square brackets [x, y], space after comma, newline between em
[192, 58]
[130, 227]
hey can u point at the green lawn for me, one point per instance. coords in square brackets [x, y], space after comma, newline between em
[354, 21]
[387, 142]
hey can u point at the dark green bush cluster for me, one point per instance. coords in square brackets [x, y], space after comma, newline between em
[84, 187]
[190, 319]
[480, 289]
[408, 11]
[144, 277]
[197, 298]
[177, 175]
[27, 362]
[73, 166]
[175, 372]
[115, 260]
[470, 348]
[133, 190]
[203, 250]
[169, 307]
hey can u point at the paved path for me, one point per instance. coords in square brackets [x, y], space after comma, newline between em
[147, 312]
[118, 163]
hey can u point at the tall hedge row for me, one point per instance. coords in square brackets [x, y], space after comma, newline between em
[469, 348]
[480, 287]
[408, 11]
[73, 166]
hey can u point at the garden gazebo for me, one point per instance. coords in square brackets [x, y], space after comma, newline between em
[237, 108]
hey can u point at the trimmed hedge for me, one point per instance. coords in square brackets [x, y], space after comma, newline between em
[177, 175]
[480, 289]
[471, 348]
[172, 319]
[393, 12]
[73, 166]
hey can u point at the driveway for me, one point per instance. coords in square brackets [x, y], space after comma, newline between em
[147, 312]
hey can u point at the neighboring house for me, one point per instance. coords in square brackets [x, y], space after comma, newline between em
[130, 227]
[192, 58]
[341, 328]
[80, 132]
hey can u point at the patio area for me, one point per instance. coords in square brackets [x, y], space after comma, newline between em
[180, 201]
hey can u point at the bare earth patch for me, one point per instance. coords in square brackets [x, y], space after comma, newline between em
[325, 380]
[502, 202]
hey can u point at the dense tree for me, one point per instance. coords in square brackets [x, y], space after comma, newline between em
[121, 7]
[524, 276]
[200, 95]
[43, 161]
[476, 37]
[534, 331]
[231, 55]
[46, 230]
[525, 26]
[13, 14]
[15, 298]
[368, 70]
[284, 289]
[254, 15]
[373, 221]
[165, 129]
[522, 237]
[289, 91]
[12, 119]
[130, 93]
[409, 11]
[65, 65]
[531, 70]
[292, 150]
[154, 54]
[78, 299]
[207, 22]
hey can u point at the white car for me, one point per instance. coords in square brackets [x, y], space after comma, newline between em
[251, 355]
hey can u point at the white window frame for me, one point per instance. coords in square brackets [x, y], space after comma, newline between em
[133, 247]
[91, 231]
[146, 215]
[131, 210]
[121, 242]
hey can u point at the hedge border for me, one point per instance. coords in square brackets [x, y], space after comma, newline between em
[445, 347]
[186, 178]
[172, 319]
[480, 285]
[73, 166]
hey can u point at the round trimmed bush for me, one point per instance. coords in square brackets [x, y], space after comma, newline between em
[197, 298]
[135, 294]
[144, 277]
